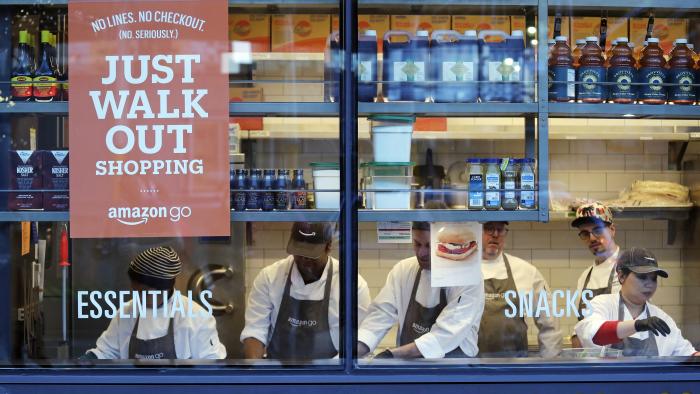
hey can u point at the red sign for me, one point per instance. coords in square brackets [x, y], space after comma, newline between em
[148, 119]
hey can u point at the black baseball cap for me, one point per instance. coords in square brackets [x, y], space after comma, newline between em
[640, 261]
[310, 239]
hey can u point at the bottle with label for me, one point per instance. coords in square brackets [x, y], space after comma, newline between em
[453, 62]
[510, 175]
[476, 184]
[403, 66]
[282, 196]
[268, 185]
[527, 184]
[254, 197]
[591, 72]
[239, 184]
[516, 51]
[499, 67]
[418, 71]
[367, 66]
[622, 73]
[21, 81]
[299, 187]
[652, 74]
[45, 86]
[681, 74]
[562, 75]
[492, 199]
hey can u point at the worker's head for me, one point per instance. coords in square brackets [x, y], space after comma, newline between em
[155, 268]
[493, 239]
[595, 226]
[310, 244]
[420, 233]
[638, 270]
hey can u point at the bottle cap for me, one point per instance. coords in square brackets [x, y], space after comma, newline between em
[580, 41]
[517, 33]
[371, 32]
[470, 33]
[422, 33]
[614, 42]
[592, 39]
[562, 38]
[653, 39]
[474, 161]
[681, 41]
[23, 37]
[551, 42]
[45, 36]
[622, 39]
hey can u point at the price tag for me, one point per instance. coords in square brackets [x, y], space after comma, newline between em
[394, 233]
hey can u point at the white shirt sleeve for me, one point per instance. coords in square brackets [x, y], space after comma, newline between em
[204, 339]
[549, 335]
[603, 308]
[459, 320]
[681, 346]
[382, 313]
[363, 299]
[258, 312]
[109, 344]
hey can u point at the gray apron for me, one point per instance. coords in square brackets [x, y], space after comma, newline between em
[419, 319]
[501, 336]
[302, 331]
[162, 348]
[596, 292]
[634, 346]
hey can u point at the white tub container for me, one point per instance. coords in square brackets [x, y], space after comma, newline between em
[391, 137]
[326, 177]
[388, 176]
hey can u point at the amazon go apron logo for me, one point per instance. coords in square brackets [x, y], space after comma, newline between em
[301, 323]
[420, 330]
[133, 216]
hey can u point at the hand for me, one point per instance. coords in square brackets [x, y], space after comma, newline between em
[653, 324]
[385, 354]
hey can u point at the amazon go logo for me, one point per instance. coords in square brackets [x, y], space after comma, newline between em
[133, 216]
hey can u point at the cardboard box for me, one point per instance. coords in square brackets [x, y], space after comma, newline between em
[430, 124]
[25, 174]
[413, 23]
[380, 23]
[460, 23]
[666, 30]
[299, 32]
[254, 95]
[335, 23]
[583, 27]
[55, 174]
[254, 28]
[517, 22]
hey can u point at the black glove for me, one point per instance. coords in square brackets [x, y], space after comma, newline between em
[88, 356]
[653, 324]
[385, 354]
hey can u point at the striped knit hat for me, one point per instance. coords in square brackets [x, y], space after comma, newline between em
[156, 267]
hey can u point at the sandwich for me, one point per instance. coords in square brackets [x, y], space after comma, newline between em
[455, 244]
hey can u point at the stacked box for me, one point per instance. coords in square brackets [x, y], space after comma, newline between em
[413, 23]
[253, 28]
[299, 32]
[55, 177]
[25, 175]
[583, 27]
[667, 30]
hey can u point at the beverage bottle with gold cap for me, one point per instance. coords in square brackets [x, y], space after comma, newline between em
[562, 75]
[681, 74]
[652, 74]
[591, 72]
[45, 87]
[21, 80]
[622, 73]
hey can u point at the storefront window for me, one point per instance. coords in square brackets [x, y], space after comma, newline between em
[506, 182]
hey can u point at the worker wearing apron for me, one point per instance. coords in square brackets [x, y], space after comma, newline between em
[501, 335]
[594, 222]
[628, 321]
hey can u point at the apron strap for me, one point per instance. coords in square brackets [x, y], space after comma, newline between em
[509, 272]
[415, 284]
[613, 271]
[329, 282]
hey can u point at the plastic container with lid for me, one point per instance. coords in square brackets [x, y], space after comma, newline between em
[622, 72]
[405, 66]
[527, 184]
[652, 74]
[476, 184]
[367, 76]
[492, 184]
[454, 66]
[509, 198]
[681, 74]
[562, 75]
[500, 67]
[387, 176]
[391, 137]
[326, 177]
[591, 72]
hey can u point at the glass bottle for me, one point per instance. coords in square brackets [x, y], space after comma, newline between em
[282, 184]
[299, 187]
[492, 200]
[268, 196]
[238, 185]
[510, 176]
[21, 80]
[476, 184]
[45, 88]
[254, 198]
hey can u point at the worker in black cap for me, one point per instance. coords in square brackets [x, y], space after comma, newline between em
[164, 332]
[293, 306]
[628, 321]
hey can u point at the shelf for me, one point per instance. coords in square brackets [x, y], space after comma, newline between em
[29, 107]
[288, 56]
[316, 109]
[645, 213]
[295, 3]
[623, 111]
[446, 7]
[446, 215]
[624, 4]
[304, 215]
[34, 216]
[449, 109]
